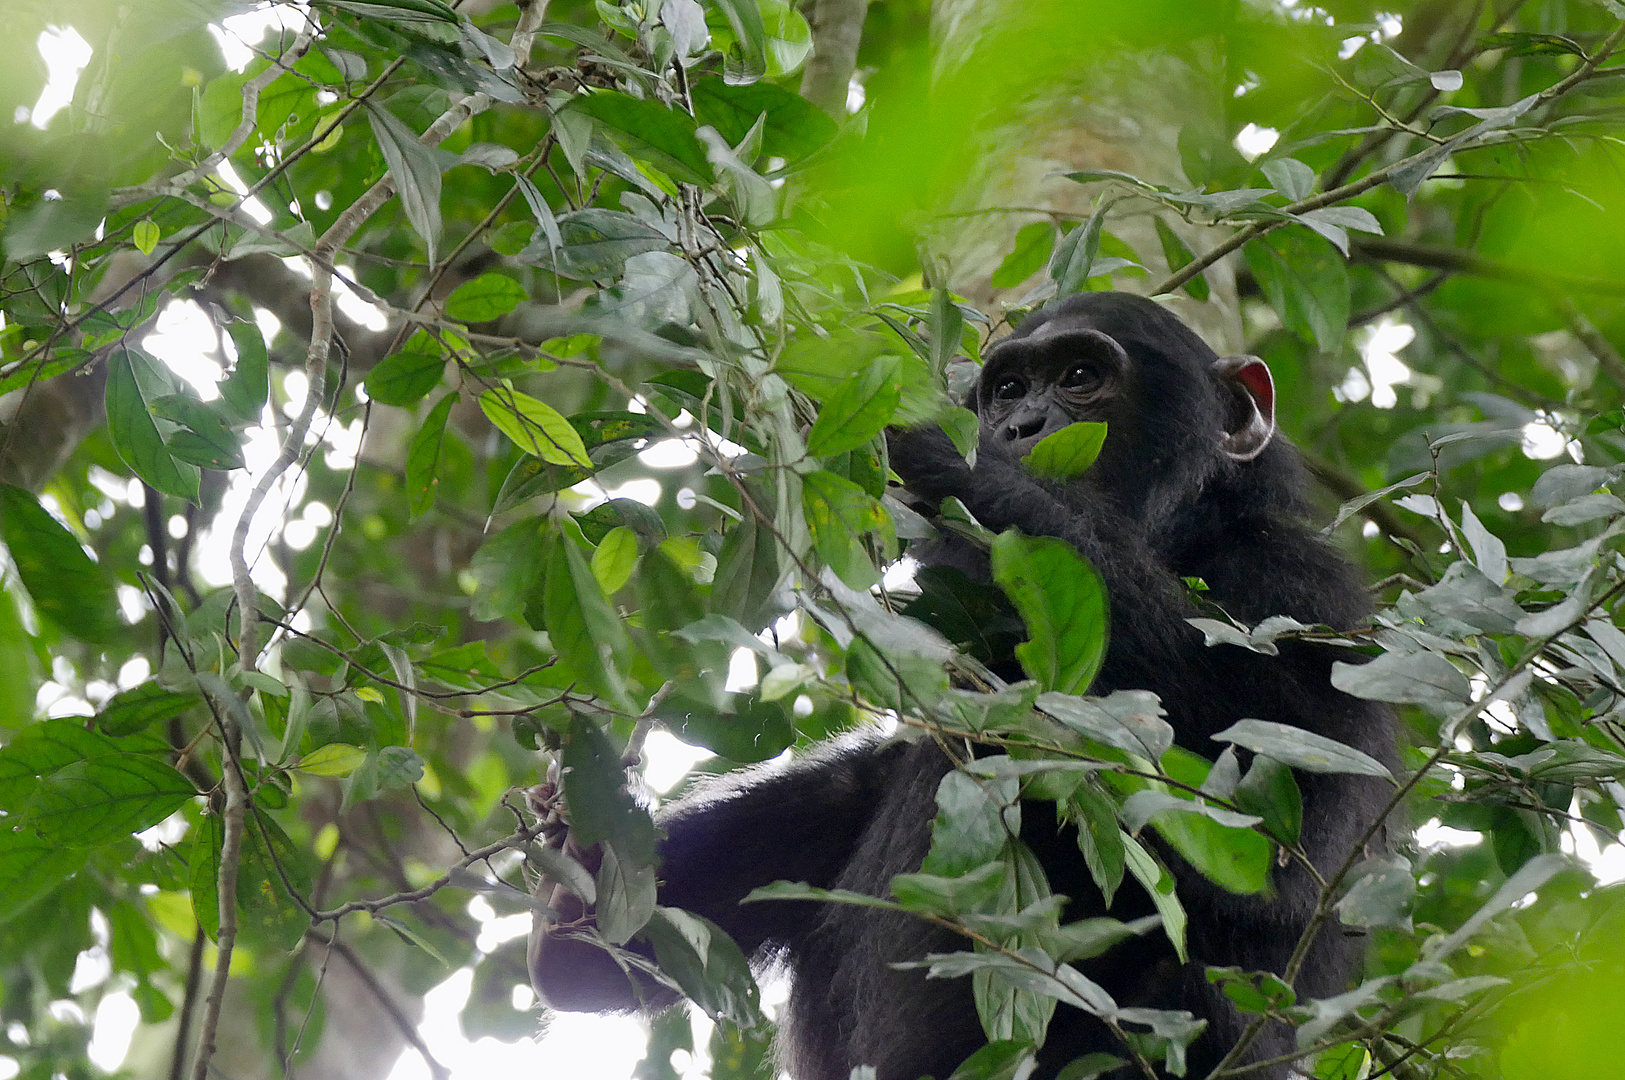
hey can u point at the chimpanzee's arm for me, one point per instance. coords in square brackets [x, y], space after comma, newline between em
[794, 822]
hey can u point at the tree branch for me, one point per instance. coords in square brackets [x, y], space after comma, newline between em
[837, 29]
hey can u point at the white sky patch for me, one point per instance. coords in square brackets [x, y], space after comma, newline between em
[1433, 834]
[236, 34]
[1542, 442]
[353, 307]
[65, 54]
[260, 448]
[1252, 140]
[1510, 501]
[183, 337]
[742, 673]
[252, 207]
[1380, 348]
[117, 1015]
[669, 454]
[855, 95]
[667, 759]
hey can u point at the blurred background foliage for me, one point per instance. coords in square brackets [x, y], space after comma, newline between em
[432, 423]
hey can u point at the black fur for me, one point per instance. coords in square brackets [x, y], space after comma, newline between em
[1162, 503]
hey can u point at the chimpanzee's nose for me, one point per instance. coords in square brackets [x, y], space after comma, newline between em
[1026, 428]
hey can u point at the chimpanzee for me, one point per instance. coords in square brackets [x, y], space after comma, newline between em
[1189, 484]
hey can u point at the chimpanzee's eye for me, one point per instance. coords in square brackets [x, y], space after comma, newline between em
[1081, 377]
[1009, 389]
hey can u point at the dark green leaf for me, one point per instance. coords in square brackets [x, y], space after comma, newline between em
[1306, 282]
[135, 436]
[858, 409]
[245, 389]
[416, 173]
[66, 585]
[841, 516]
[1178, 255]
[1034, 243]
[1270, 791]
[213, 440]
[92, 802]
[601, 810]
[795, 127]
[138, 708]
[586, 631]
[1302, 749]
[405, 378]
[651, 132]
[423, 456]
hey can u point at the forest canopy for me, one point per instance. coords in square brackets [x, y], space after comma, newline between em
[425, 423]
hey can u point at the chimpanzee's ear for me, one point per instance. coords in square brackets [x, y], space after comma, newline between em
[1250, 423]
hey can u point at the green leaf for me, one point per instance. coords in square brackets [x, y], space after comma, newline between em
[56, 224]
[1071, 264]
[142, 706]
[423, 456]
[977, 890]
[401, 10]
[601, 810]
[245, 389]
[975, 819]
[1063, 603]
[586, 631]
[1290, 177]
[1034, 243]
[145, 236]
[213, 444]
[1068, 453]
[135, 436]
[1002, 1059]
[649, 131]
[841, 516]
[1130, 720]
[1270, 791]
[947, 325]
[534, 426]
[334, 759]
[794, 129]
[858, 409]
[1303, 749]
[66, 585]
[30, 867]
[1178, 255]
[487, 297]
[405, 378]
[706, 963]
[750, 36]
[1099, 839]
[92, 802]
[614, 559]
[597, 243]
[414, 169]
[1381, 893]
[1307, 284]
[1419, 677]
[1159, 884]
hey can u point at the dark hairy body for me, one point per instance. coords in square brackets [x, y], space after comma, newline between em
[1189, 484]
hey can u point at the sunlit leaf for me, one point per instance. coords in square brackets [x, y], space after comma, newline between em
[1062, 601]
